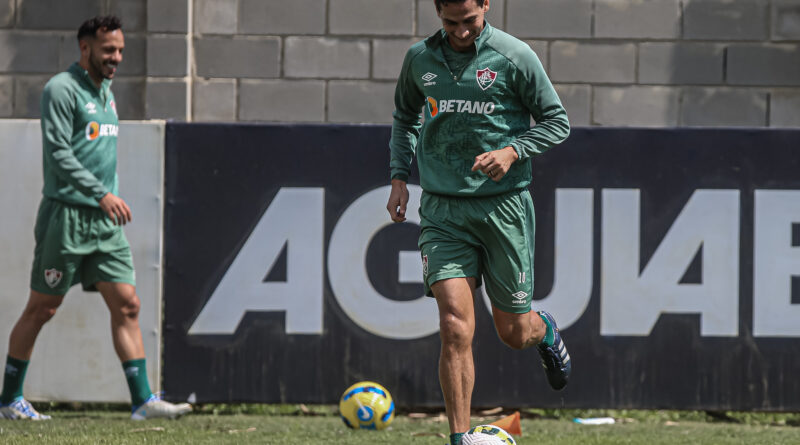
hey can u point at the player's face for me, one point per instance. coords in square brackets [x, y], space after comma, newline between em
[463, 22]
[104, 53]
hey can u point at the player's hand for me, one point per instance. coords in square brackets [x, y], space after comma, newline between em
[116, 209]
[495, 164]
[398, 199]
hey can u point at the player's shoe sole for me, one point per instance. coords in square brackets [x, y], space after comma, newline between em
[555, 359]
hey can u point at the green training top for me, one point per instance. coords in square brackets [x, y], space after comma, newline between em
[79, 138]
[483, 107]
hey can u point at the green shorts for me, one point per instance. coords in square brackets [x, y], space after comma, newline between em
[77, 244]
[490, 237]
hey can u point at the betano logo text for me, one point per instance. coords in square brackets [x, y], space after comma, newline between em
[459, 106]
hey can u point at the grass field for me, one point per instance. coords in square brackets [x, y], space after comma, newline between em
[290, 424]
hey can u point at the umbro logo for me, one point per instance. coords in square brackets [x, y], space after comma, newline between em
[428, 78]
[519, 297]
[91, 108]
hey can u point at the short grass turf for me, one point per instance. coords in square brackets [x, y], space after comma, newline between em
[320, 425]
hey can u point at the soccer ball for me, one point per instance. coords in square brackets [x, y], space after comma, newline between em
[487, 435]
[366, 405]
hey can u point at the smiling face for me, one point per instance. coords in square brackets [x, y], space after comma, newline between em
[463, 22]
[101, 54]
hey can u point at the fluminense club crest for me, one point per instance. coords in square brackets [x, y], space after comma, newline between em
[52, 277]
[486, 77]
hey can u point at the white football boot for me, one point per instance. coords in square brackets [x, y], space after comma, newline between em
[20, 409]
[155, 408]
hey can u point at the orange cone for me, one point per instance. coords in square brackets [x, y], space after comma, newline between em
[510, 424]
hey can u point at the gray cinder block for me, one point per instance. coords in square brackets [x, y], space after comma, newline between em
[768, 64]
[166, 55]
[165, 99]
[636, 106]
[129, 94]
[6, 96]
[681, 63]
[360, 101]
[61, 14]
[132, 12]
[282, 17]
[324, 57]
[785, 20]
[282, 100]
[592, 62]
[215, 16]
[723, 107]
[253, 57]
[549, 18]
[638, 19]
[725, 19]
[28, 95]
[577, 100]
[29, 53]
[359, 17]
[387, 57]
[134, 58]
[167, 15]
[7, 13]
[214, 100]
[784, 109]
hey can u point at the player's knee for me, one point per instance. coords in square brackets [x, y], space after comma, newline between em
[455, 331]
[40, 313]
[130, 308]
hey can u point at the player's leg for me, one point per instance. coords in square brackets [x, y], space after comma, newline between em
[123, 306]
[519, 331]
[52, 274]
[110, 271]
[38, 311]
[456, 366]
[508, 240]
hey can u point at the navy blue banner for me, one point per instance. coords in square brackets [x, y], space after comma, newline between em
[670, 258]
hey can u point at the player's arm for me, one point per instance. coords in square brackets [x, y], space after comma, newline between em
[57, 108]
[408, 101]
[539, 96]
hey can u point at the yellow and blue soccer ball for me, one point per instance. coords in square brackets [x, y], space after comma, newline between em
[366, 405]
[487, 435]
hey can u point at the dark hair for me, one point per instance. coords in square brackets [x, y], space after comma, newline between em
[439, 3]
[105, 22]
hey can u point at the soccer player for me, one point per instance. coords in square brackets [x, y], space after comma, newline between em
[78, 232]
[479, 88]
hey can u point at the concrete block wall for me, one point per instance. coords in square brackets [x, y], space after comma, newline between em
[653, 63]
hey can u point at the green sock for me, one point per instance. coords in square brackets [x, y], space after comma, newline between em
[549, 336]
[13, 379]
[455, 438]
[136, 375]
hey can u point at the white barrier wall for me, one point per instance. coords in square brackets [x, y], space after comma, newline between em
[74, 358]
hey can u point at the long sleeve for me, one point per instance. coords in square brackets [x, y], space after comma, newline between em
[539, 96]
[408, 101]
[57, 129]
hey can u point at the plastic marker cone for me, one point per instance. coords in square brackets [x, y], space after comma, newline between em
[510, 424]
